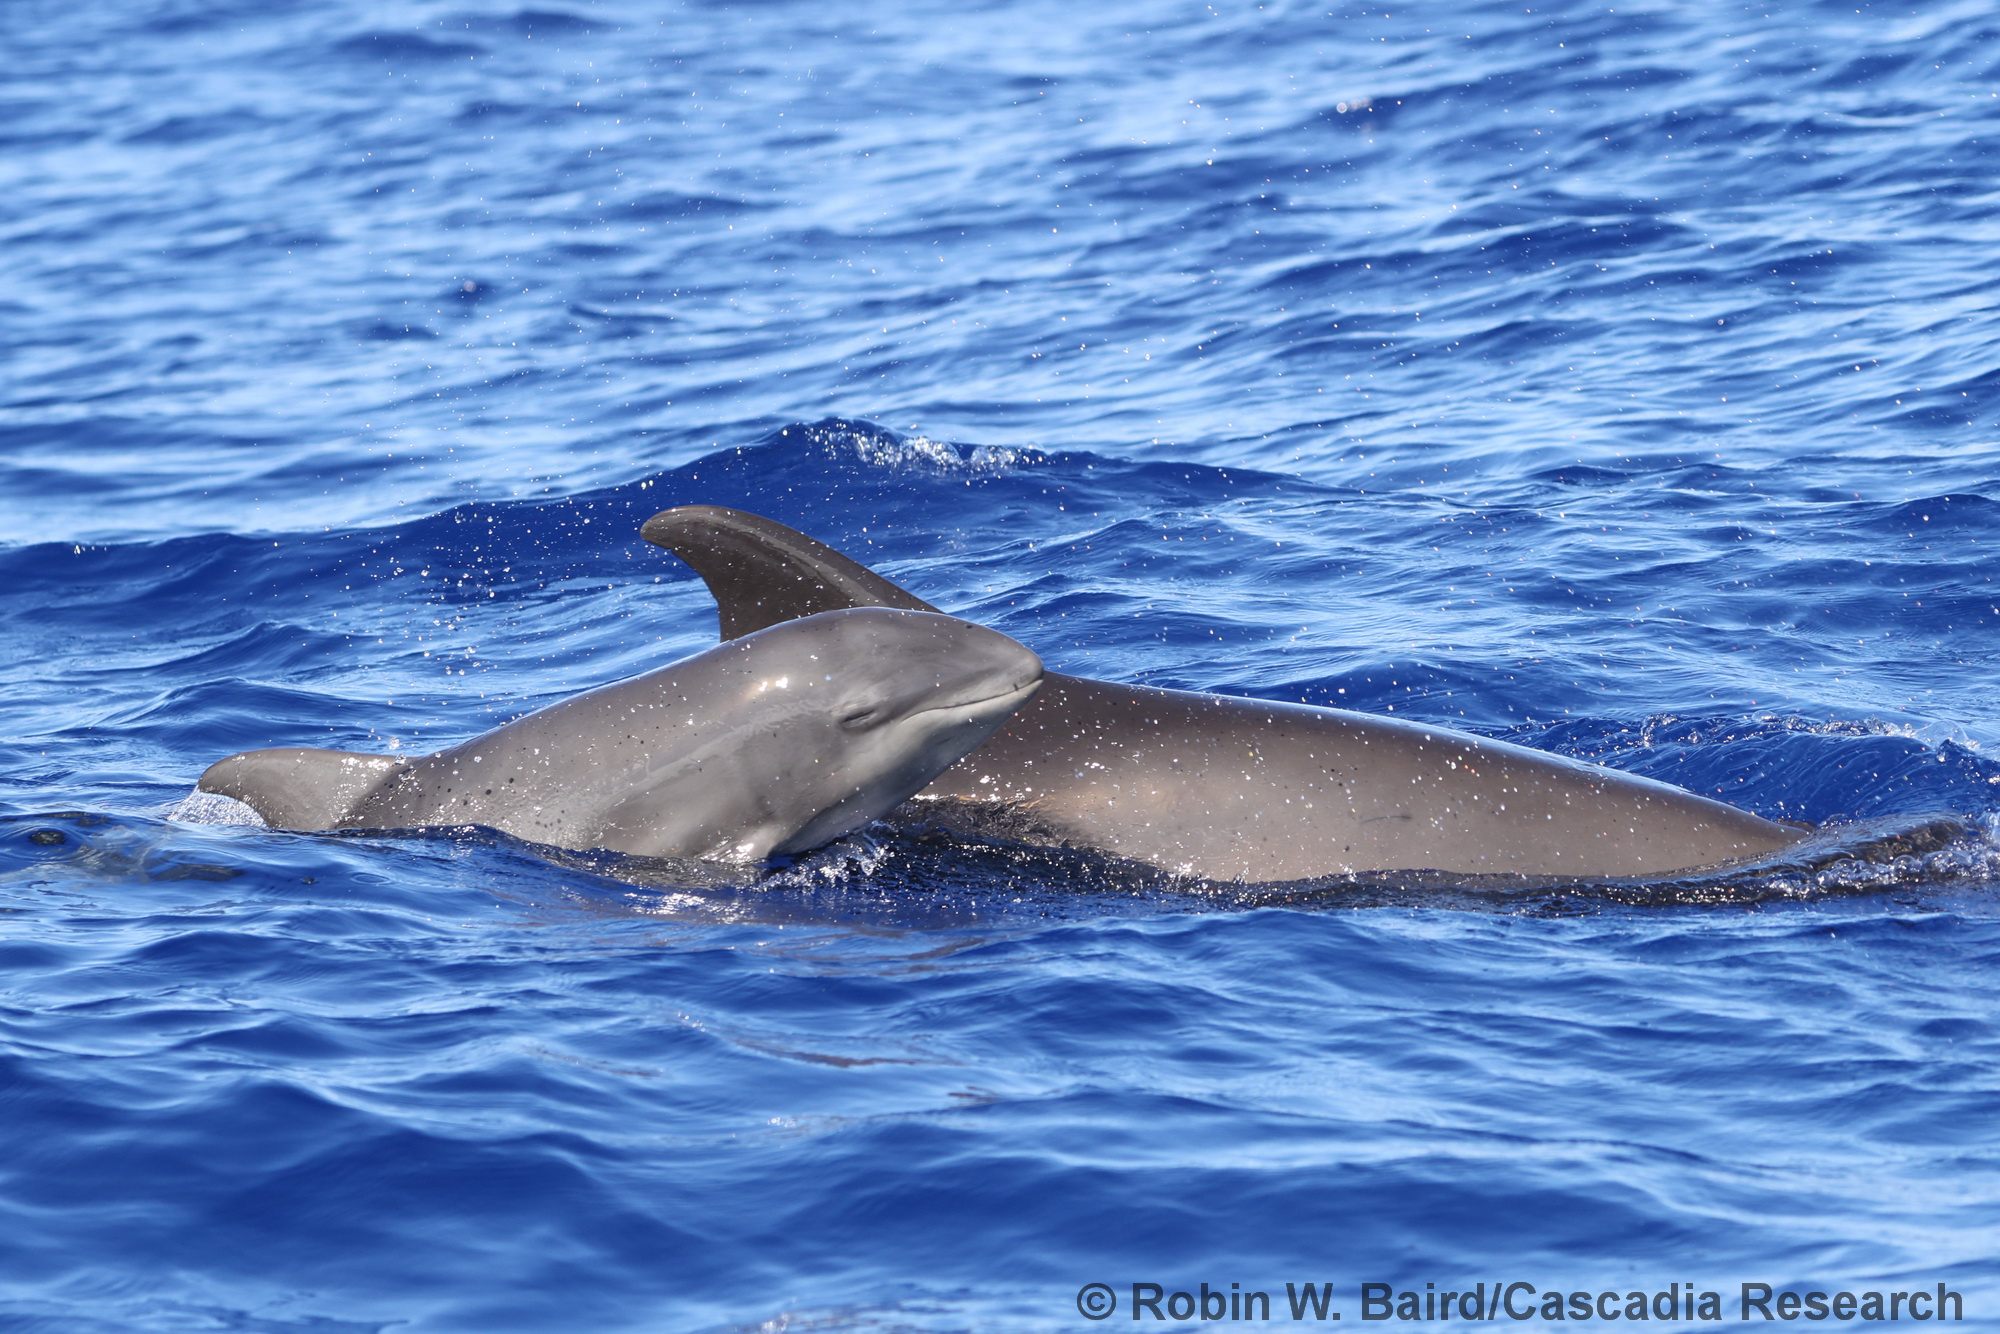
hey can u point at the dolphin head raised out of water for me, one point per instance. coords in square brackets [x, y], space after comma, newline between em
[764, 746]
[836, 729]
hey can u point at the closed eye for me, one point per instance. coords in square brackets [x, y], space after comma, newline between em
[859, 719]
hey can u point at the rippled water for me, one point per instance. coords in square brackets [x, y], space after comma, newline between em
[1620, 381]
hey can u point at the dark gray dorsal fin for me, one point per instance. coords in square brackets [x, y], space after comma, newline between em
[763, 573]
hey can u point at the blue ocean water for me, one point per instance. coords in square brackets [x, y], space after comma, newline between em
[1619, 380]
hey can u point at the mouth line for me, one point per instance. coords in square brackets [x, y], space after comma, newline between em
[1019, 694]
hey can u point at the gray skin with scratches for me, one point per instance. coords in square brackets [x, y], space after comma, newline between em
[1247, 790]
[766, 745]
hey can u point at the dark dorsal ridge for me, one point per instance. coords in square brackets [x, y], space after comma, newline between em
[763, 573]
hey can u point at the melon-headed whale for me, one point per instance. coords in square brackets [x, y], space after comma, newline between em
[1244, 789]
[770, 744]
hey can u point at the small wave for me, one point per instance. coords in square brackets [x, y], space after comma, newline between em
[405, 46]
[876, 447]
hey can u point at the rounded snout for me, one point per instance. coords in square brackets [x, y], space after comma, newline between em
[900, 663]
[976, 663]
[923, 690]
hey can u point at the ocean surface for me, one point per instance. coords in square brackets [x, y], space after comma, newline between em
[1619, 380]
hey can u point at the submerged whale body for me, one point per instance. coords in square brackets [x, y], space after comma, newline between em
[1241, 789]
[770, 744]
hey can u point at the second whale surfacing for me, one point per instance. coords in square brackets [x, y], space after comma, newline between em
[1247, 790]
[765, 746]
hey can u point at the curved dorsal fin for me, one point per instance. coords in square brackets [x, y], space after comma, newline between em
[762, 572]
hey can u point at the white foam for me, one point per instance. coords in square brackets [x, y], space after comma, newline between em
[200, 807]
